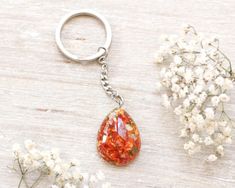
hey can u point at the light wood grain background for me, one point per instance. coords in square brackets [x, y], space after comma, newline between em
[45, 97]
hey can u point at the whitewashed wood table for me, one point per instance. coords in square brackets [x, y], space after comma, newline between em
[57, 103]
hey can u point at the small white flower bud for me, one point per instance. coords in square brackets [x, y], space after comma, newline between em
[212, 158]
[195, 137]
[224, 98]
[220, 150]
[177, 60]
[16, 148]
[227, 131]
[183, 133]
[215, 100]
[219, 81]
[54, 186]
[178, 110]
[208, 141]
[228, 84]
[209, 112]
[29, 144]
[159, 59]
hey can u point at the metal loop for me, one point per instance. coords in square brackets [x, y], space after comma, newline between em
[119, 100]
[101, 60]
[102, 51]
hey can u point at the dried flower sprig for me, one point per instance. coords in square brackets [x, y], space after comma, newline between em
[30, 162]
[195, 77]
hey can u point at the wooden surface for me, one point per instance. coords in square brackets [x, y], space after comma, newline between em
[57, 103]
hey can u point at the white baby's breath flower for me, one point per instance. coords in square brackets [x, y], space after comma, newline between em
[192, 126]
[178, 110]
[220, 150]
[57, 169]
[75, 162]
[219, 81]
[35, 154]
[163, 72]
[224, 98]
[196, 149]
[228, 84]
[68, 185]
[222, 123]
[212, 158]
[196, 137]
[177, 60]
[50, 164]
[212, 89]
[227, 131]
[76, 174]
[16, 148]
[55, 152]
[185, 28]
[169, 74]
[198, 89]
[188, 76]
[174, 80]
[31, 161]
[208, 75]
[175, 88]
[165, 101]
[208, 141]
[219, 138]
[199, 71]
[181, 71]
[199, 120]
[203, 96]
[215, 100]
[228, 140]
[210, 113]
[46, 155]
[186, 103]
[183, 133]
[211, 127]
[159, 58]
[196, 78]
[189, 145]
[29, 144]
[54, 186]
[163, 37]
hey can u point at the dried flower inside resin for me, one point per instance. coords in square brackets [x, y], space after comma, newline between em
[34, 165]
[196, 77]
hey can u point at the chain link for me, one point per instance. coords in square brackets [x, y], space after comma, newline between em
[105, 83]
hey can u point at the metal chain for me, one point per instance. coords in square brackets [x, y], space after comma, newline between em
[105, 83]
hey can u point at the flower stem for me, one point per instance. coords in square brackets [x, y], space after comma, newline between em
[21, 179]
[22, 172]
[37, 181]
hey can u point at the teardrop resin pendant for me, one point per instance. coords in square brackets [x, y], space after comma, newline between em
[118, 138]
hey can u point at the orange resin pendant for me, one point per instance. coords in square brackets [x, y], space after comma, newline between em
[118, 138]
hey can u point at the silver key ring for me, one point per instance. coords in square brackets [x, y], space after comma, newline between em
[103, 50]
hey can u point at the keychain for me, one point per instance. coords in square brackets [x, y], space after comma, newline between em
[118, 140]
